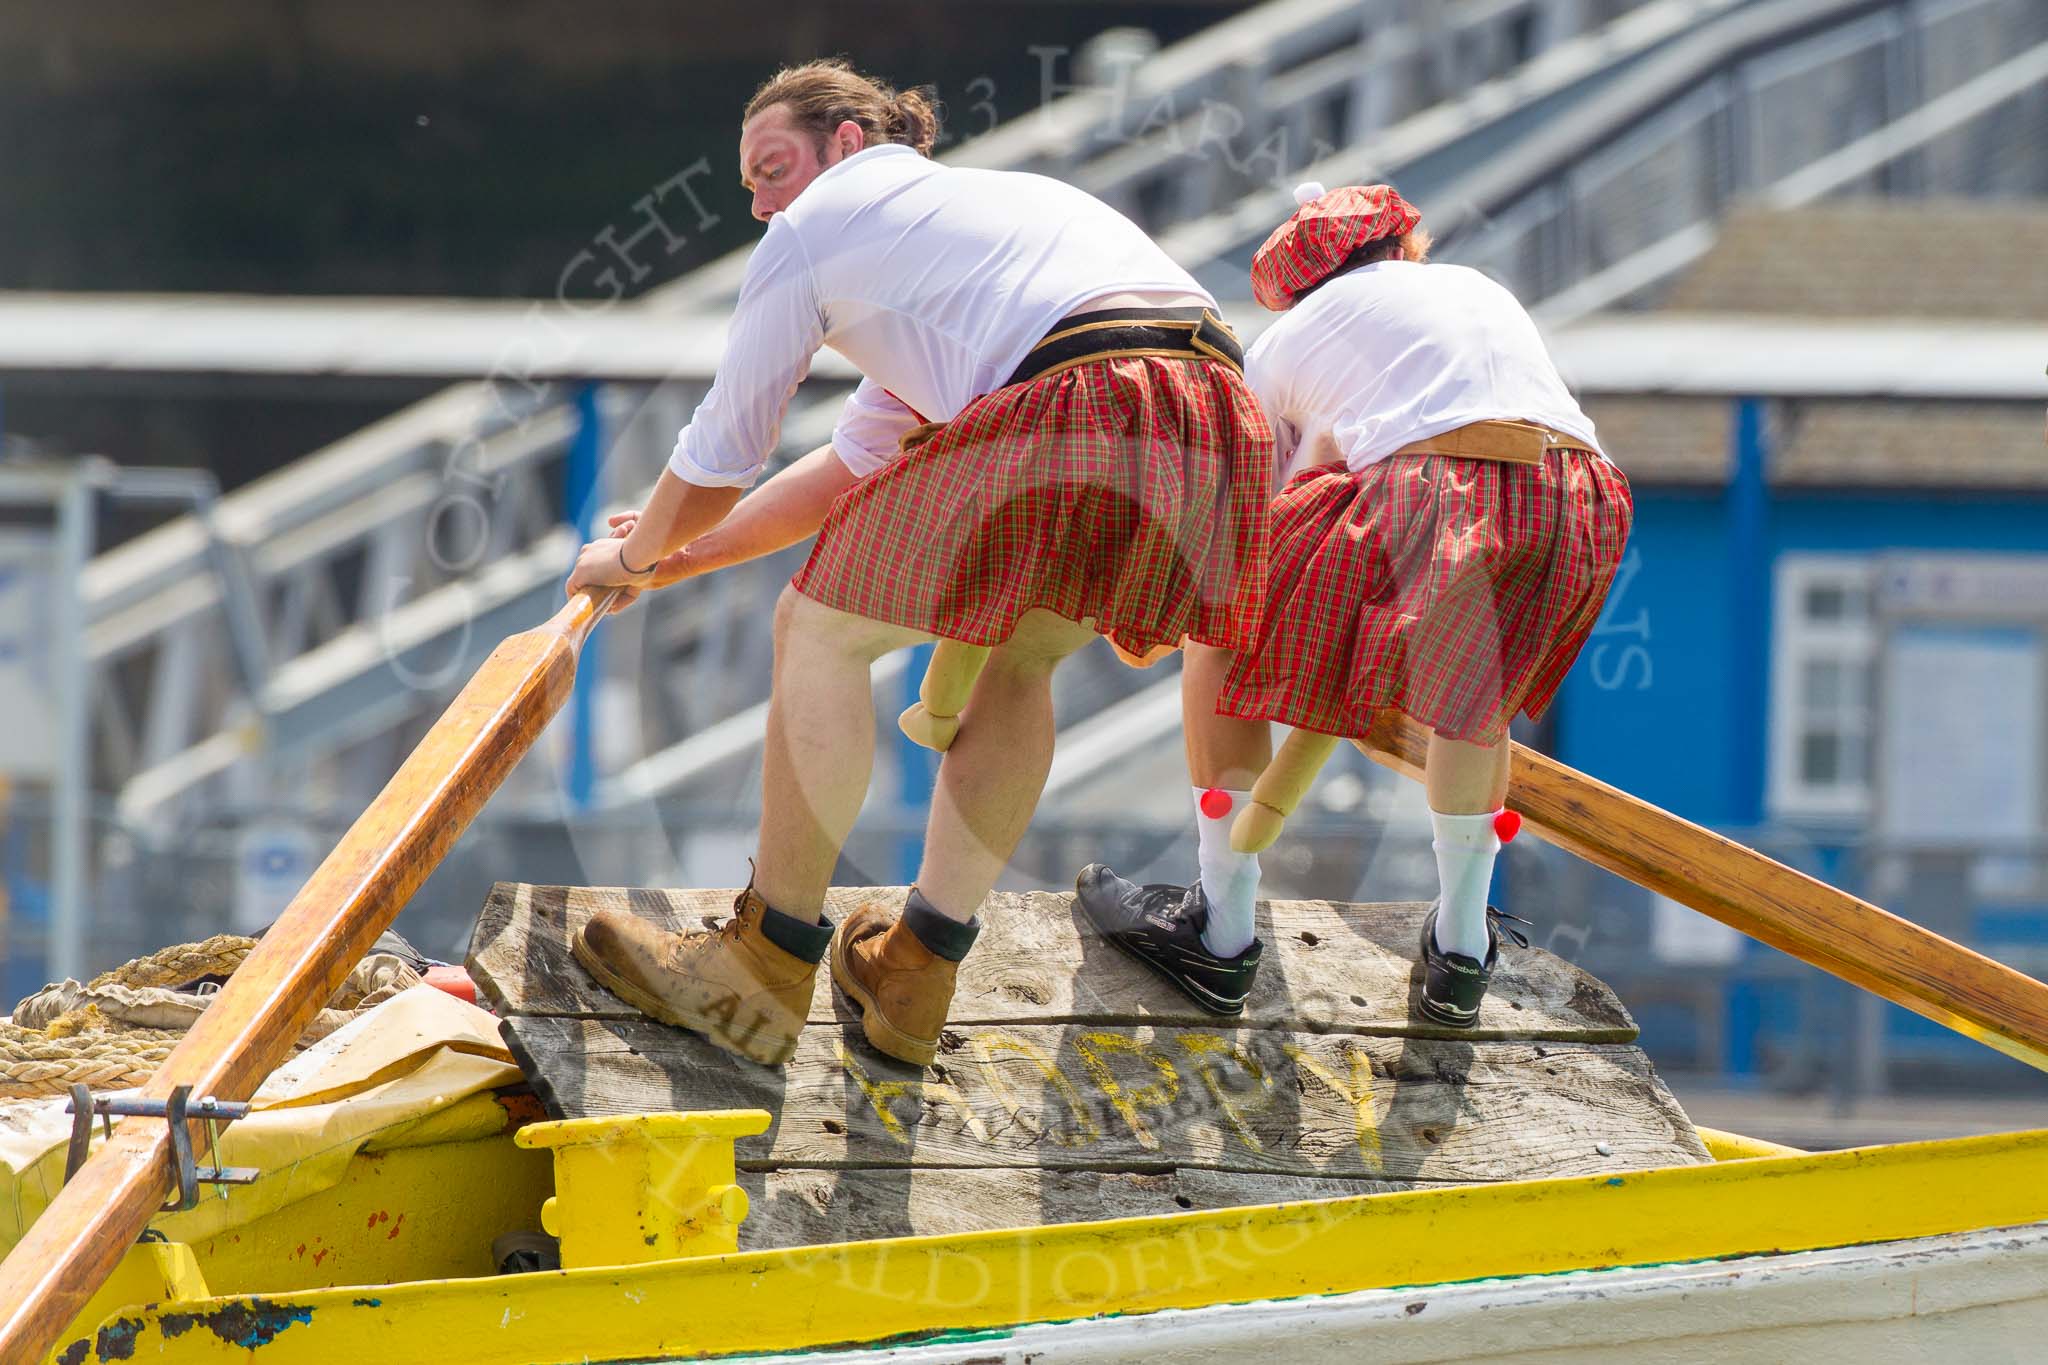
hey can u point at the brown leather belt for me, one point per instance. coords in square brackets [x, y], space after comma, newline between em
[1182, 333]
[1511, 442]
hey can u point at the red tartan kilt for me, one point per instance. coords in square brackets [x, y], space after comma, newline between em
[1455, 591]
[1129, 493]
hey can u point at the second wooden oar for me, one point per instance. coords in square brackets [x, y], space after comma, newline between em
[1814, 922]
[301, 961]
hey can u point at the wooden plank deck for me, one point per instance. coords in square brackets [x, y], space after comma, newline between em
[1072, 1084]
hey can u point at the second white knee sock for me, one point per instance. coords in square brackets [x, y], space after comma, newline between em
[1466, 846]
[1230, 880]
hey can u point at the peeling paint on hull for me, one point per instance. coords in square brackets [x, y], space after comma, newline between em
[254, 1323]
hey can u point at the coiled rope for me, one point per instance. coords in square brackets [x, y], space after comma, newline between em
[116, 1030]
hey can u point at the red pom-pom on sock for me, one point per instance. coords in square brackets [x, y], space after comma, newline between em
[1216, 803]
[1507, 825]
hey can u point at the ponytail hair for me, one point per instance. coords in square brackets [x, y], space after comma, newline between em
[823, 94]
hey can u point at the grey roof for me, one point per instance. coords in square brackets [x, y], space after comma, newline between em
[1968, 263]
[1828, 443]
[1878, 258]
[1664, 440]
[1961, 446]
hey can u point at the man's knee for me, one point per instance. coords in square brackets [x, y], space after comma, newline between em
[798, 617]
[1039, 642]
[1206, 660]
[788, 606]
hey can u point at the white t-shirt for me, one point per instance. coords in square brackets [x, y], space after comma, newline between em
[935, 281]
[1397, 351]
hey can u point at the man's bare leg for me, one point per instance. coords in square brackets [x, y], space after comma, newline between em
[1223, 751]
[820, 748]
[1465, 779]
[1224, 754]
[1465, 784]
[991, 778]
[901, 970]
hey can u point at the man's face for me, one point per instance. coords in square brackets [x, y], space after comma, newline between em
[778, 159]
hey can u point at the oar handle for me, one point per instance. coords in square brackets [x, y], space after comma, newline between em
[933, 720]
[581, 613]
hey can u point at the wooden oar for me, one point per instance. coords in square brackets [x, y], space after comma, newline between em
[249, 1028]
[1831, 929]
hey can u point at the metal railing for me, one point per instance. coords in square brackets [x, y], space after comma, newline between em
[1878, 105]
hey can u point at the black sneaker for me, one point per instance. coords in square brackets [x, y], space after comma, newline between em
[1454, 984]
[1161, 926]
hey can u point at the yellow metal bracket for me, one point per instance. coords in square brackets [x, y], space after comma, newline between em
[644, 1187]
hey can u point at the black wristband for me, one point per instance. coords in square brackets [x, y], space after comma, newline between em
[632, 572]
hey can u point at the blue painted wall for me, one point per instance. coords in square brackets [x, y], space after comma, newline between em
[1646, 706]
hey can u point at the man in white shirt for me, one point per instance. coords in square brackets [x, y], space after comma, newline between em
[1446, 534]
[1053, 441]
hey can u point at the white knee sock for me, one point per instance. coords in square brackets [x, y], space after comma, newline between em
[1230, 881]
[1466, 846]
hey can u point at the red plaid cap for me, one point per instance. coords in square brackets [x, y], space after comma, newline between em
[1324, 231]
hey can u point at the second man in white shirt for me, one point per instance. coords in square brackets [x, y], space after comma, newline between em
[1447, 533]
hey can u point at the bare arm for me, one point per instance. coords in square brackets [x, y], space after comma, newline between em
[677, 512]
[786, 509]
[781, 512]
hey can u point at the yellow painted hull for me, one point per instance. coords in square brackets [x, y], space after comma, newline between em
[864, 1292]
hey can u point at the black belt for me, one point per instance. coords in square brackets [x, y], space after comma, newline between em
[1183, 333]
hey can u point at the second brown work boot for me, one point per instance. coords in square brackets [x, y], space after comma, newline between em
[735, 984]
[902, 986]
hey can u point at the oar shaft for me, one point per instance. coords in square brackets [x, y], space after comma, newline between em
[301, 961]
[1814, 922]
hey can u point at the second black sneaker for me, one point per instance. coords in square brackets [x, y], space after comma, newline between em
[1161, 926]
[1454, 984]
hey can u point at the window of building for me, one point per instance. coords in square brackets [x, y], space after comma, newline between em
[1823, 658]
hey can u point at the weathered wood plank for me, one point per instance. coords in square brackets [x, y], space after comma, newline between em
[1092, 1097]
[1328, 966]
[801, 1207]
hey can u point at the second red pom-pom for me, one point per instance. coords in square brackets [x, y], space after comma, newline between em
[1507, 825]
[1216, 803]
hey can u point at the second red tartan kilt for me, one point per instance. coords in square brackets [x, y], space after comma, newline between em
[1130, 492]
[1454, 591]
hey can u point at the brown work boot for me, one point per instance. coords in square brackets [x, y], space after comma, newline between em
[902, 987]
[732, 984]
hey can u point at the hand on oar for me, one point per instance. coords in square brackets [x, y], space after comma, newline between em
[602, 564]
[1145, 660]
[668, 571]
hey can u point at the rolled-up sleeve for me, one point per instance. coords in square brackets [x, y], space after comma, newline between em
[870, 429]
[777, 326]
